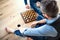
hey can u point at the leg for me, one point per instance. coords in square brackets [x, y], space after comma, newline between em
[35, 8]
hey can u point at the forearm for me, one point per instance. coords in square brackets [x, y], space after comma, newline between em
[45, 30]
[42, 21]
[39, 22]
[41, 31]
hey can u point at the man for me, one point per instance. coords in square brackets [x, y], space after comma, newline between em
[35, 5]
[49, 9]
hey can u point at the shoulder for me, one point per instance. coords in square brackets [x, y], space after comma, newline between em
[48, 27]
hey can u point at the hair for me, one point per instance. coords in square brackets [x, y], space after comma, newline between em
[50, 7]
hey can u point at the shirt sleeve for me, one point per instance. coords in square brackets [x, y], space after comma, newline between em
[25, 1]
[45, 30]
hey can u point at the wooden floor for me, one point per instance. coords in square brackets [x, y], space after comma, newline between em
[10, 17]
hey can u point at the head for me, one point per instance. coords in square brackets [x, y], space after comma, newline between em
[49, 8]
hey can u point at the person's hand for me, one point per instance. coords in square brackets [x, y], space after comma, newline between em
[38, 4]
[34, 24]
[27, 7]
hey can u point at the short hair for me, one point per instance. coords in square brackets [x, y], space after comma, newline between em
[50, 7]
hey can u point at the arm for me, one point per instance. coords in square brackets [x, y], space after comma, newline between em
[42, 21]
[33, 24]
[45, 30]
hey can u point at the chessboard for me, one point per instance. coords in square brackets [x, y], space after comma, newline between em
[29, 16]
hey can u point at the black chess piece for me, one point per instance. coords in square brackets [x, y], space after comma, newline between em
[18, 25]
